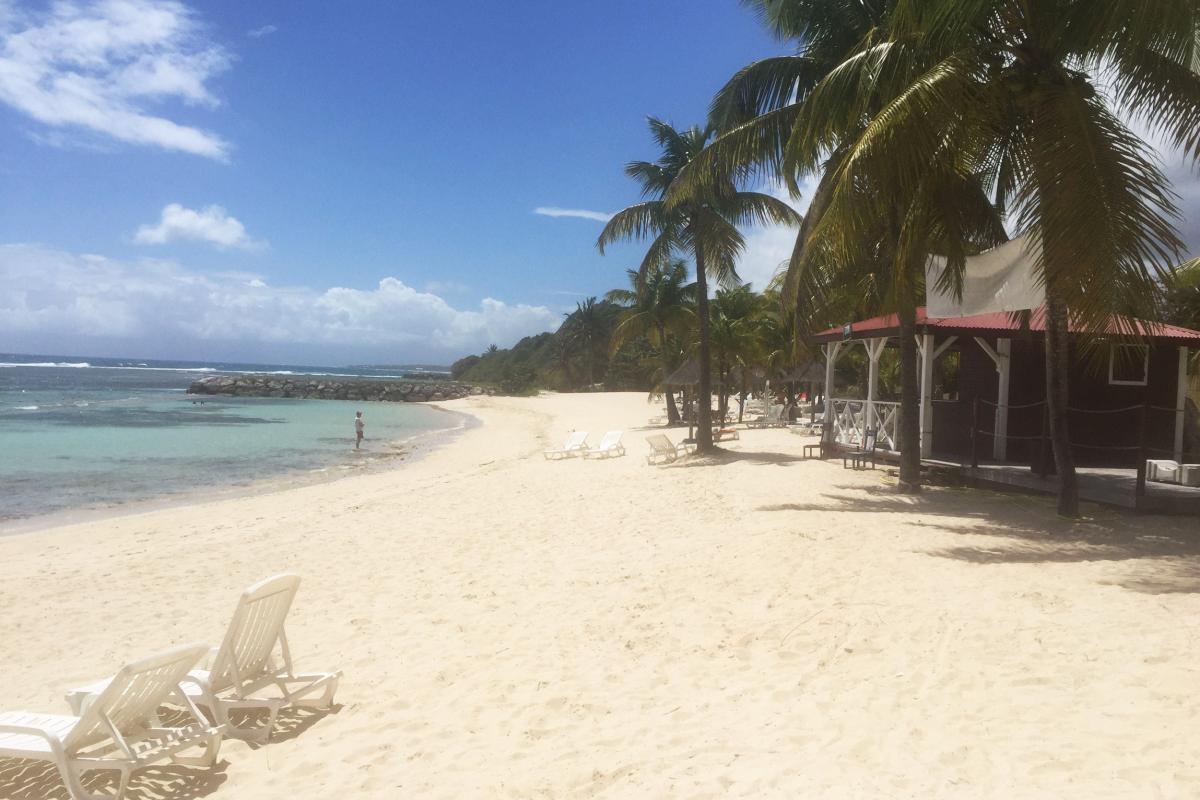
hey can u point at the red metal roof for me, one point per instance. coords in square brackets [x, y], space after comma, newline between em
[998, 322]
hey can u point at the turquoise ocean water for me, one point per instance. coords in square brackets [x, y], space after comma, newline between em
[87, 433]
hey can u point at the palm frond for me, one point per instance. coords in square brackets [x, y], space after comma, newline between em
[635, 222]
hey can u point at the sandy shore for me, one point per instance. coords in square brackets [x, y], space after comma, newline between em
[759, 626]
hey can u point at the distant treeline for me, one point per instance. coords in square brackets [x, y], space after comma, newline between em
[576, 357]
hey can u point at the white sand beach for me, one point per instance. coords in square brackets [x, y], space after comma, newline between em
[758, 626]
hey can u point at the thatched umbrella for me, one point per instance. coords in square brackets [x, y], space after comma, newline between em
[688, 374]
[809, 372]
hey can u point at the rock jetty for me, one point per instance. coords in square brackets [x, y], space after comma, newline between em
[395, 391]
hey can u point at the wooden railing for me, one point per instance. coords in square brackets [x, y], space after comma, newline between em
[850, 421]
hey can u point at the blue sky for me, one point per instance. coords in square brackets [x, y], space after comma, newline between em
[187, 181]
[339, 182]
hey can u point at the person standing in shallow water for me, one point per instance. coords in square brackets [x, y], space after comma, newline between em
[358, 429]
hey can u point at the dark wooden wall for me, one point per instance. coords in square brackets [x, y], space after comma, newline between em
[1090, 391]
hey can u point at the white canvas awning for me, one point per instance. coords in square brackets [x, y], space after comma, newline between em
[1001, 279]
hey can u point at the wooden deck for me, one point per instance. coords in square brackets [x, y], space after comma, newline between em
[1107, 486]
[1112, 487]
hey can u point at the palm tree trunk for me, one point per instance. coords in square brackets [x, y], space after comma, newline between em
[910, 401]
[1057, 382]
[704, 442]
[672, 411]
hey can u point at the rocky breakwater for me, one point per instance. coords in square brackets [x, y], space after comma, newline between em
[395, 391]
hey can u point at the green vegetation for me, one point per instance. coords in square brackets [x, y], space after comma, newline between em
[636, 337]
[928, 122]
[700, 222]
[926, 127]
[576, 357]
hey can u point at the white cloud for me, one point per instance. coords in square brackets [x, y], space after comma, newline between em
[769, 247]
[210, 224]
[258, 33]
[68, 302]
[581, 213]
[96, 67]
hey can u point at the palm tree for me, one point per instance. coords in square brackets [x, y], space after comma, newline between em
[735, 334]
[702, 223]
[1181, 296]
[562, 359]
[659, 306]
[1033, 96]
[586, 328]
[795, 115]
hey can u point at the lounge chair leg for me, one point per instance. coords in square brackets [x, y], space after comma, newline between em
[72, 776]
[271, 715]
[330, 691]
[212, 749]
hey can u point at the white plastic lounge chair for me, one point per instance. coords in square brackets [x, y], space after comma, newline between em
[610, 446]
[662, 451]
[243, 667]
[1189, 475]
[773, 419]
[812, 428]
[1161, 470]
[119, 728]
[573, 446]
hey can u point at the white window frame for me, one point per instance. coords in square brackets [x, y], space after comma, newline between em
[1112, 358]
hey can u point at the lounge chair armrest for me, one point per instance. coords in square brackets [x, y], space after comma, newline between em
[198, 678]
[209, 658]
[51, 738]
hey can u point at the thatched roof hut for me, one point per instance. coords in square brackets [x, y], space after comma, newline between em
[688, 374]
[808, 372]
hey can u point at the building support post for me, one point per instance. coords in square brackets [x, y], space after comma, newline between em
[1181, 387]
[1002, 358]
[929, 351]
[831, 354]
[874, 351]
[1004, 371]
[925, 349]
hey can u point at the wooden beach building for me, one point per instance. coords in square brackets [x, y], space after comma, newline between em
[1128, 396]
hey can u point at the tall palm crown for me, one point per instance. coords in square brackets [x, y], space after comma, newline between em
[586, 328]
[1033, 94]
[702, 224]
[657, 305]
[863, 244]
[661, 307]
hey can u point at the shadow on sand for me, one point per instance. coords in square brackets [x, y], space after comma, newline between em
[722, 456]
[1164, 553]
[290, 723]
[24, 779]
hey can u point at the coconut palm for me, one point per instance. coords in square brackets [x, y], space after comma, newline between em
[1034, 94]
[658, 306]
[702, 224]
[736, 337]
[792, 116]
[586, 328]
[1181, 296]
